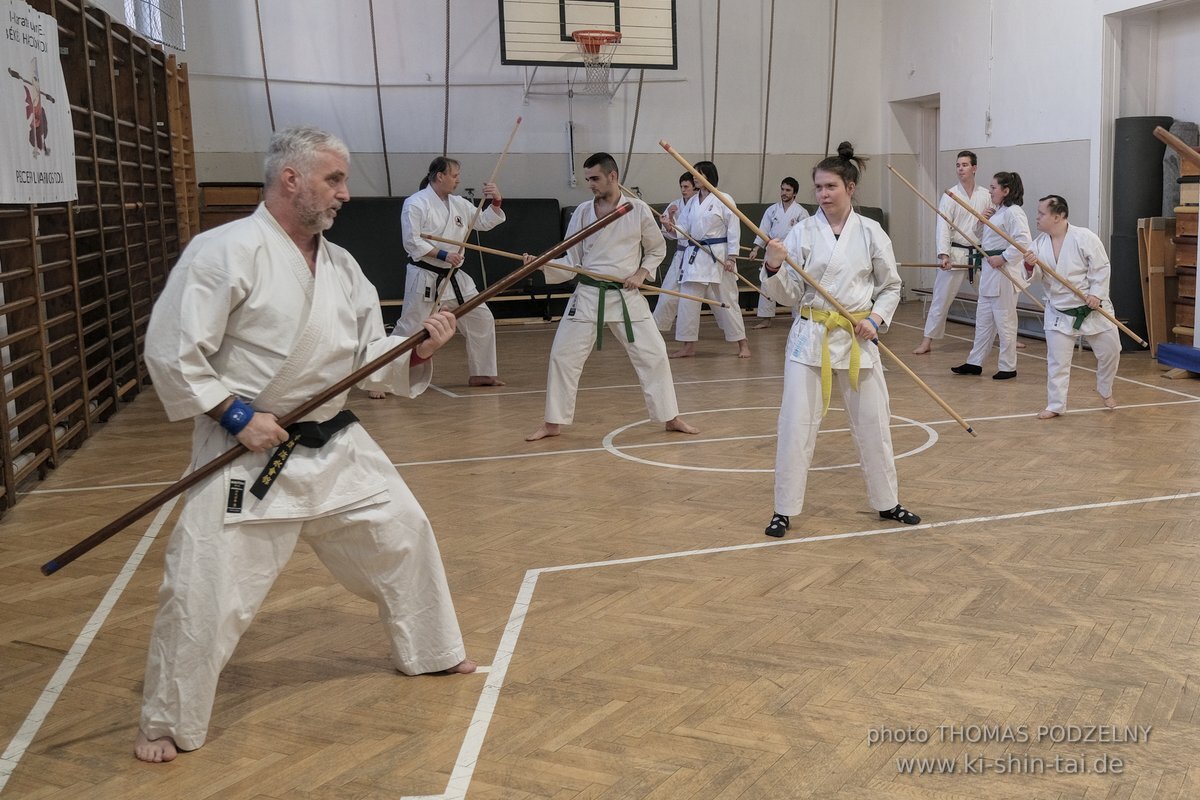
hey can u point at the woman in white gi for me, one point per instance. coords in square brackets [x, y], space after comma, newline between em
[852, 259]
[709, 270]
[776, 222]
[630, 251]
[666, 307]
[1078, 256]
[436, 210]
[996, 307]
[258, 316]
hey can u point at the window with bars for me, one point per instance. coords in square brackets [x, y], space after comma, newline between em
[158, 20]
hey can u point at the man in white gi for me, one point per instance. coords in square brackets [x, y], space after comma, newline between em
[257, 317]
[851, 257]
[436, 210]
[777, 221]
[709, 269]
[630, 250]
[1079, 257]
[951, 249]
[666, 307]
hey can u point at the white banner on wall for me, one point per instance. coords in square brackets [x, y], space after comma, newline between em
[37, 144]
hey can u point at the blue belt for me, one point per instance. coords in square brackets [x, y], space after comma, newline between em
[706, 242]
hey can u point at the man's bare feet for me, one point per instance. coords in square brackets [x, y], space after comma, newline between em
[687, 351]
[1047, 414]
[926, 346]
[1110, 402]
[678, 424]
[546, 429]
[376, 395]
[484, 380]
[1020, 345]
[766, 323]
[155, 751]
[464, 667]
[743, 349]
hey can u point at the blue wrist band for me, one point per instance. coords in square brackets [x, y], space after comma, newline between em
[873, 322]
[442, 255]
[236, 417]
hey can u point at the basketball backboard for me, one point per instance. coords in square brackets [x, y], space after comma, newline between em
[538, 32]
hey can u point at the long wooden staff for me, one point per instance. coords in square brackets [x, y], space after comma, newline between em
[1186, 151]
[109, 530]
[837, 306]
[971, 240]
[1046, 269]
[566, 268]
[930, 266]
[437, 301]
[703, 247]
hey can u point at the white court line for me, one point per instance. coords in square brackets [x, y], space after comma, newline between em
[58, 681]
[468, 755]
[446, 392]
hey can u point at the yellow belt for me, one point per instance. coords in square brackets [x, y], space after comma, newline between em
[831, 320]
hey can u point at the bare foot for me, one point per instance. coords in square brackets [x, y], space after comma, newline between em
[678, 424]
[1020, 345]
[1047, 414]
[155, 751]
[926, 346]
[687, 351]
[376, 395]
[547, 429]
[1110, 402]
[484, 380]
[766, 323]
[464, 667]
[743, 349]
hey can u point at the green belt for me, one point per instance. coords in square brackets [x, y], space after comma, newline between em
[604, 286]
[1080, 313]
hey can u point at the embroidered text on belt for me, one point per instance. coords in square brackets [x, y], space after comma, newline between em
[604, 286]
[831, 320]
[1079, 313]
[442, 272]
[309, 434]
[706, 243]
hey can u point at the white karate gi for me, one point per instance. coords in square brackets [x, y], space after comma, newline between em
[1083, 262]
[947, 282]
[859, 269]
[242, 314]
[996, 308]
[425, 212]
[631, 242]
[666, 307]
[702, 276]
[776, 223]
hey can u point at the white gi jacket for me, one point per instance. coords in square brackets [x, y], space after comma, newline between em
[710, 219]
[858, 268]
[777, 221]
[425, 212]
[242, 314]
[980, 200]
[618, 250]
[1082, 262]
[1011, 220]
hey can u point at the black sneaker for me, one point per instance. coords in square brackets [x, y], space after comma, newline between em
[900, 514]
[1004, 375]
[967, 369]
[778, 526]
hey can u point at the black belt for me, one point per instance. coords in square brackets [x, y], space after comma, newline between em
[309, 434]
[443, 273]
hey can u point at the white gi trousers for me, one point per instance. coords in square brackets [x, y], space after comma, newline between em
[1106, 346]
[946, 283]
[573, 343]
[869, 410]
[478, 327]
[996, 316]
[666, 307]
[687, 326]
[766, 307]
[217, 576]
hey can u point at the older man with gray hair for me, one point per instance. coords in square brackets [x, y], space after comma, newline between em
[256, 318]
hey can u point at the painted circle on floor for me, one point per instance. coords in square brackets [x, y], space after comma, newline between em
[931, 438]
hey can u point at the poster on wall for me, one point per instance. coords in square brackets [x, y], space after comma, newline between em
[37, 143]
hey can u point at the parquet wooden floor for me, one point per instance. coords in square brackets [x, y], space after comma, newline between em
[645, 639]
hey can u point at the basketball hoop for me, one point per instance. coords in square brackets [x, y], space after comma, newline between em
[596, 48]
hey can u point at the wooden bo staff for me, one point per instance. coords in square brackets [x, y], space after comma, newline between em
[971, 240]
[190, 480]
[1181, 147]
[706, 248]
[1046, 269]
[837, 306]
[576, 270]
[437, 301]
[930, 266]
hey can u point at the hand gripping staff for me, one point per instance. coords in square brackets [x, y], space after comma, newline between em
[1046, 269]
[841, 309]
[182, 485]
